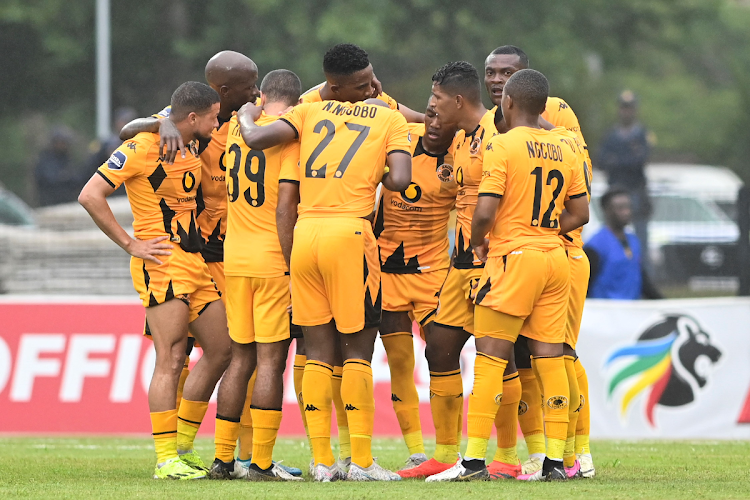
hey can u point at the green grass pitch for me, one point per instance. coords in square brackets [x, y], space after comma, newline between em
[120, 468]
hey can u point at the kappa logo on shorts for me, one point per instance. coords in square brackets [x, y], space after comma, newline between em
[498, 399]
[445, 173]
[117, 161]
[673, 357]
[557, 402]
[523, 407]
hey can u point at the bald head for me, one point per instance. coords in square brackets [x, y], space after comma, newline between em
[234, 76]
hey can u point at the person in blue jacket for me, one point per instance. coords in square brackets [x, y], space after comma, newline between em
[617, 270]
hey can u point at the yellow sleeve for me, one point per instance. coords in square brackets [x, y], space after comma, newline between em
[390, 101]
[494, 171]
[560, 114]
[399, 138]
[125, 162]
[290, 163]
[296, 117]
[164, 113]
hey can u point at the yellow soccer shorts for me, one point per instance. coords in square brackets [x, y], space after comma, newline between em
[257, 309]
[456, 299]
[335, 272]
[580, 270]
[182, 275]
[216, 270]
[416, 293]
[528, 284]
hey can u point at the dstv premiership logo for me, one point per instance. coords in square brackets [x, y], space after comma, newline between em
[672, 358]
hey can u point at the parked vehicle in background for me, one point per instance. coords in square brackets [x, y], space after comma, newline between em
[692, 233]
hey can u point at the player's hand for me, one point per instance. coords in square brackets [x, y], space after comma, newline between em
[249, 111]
[378, 86]
[482, 250]
[149, 249]
[172, 138]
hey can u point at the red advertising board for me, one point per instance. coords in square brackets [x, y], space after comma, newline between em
[81, 365]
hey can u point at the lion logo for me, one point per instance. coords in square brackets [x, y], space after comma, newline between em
[672, 358]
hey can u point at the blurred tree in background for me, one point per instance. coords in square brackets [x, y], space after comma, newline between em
[687, 60]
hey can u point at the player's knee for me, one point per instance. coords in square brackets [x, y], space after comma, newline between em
[440, 359]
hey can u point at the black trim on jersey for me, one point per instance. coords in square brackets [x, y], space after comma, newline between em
[373, 308]
[482, 293]
[448, 326]
[222, 121]
[567, 238]
[296, 132]
[577, 195]
[420, 150]
[290, 181]
[493, 195]
[473, 132]
[433, 313]
[398, 151]
[106, 179]
[379, 226]
[212, 249]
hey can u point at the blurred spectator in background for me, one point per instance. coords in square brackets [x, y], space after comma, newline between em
[623, 156]
[101, 150]
[57, 180]
[617, 270]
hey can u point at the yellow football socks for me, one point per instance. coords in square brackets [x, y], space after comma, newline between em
[569, 457]
[484, 403]
[316, 392]
[225, 437]
[400, 350]
[164, 431]
[345, 447]
[530, 414]
[506, 420]
[183, 377]
[356, 390]
[584, 414]
[556, 396]
[246, 423]
[265, 429]
[189, 418]
[299, 371]
[446, 402]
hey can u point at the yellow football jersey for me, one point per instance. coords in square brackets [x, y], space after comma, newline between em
[468, 153]
[533, 171]
[313, 95]
[251, 246]
[162, 197]
[412, 226]
[212, 196]
[343, 148]
[573, 238]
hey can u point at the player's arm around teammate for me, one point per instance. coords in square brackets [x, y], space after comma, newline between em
[163, 272]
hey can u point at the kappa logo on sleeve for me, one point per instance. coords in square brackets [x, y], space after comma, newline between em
[117, 161]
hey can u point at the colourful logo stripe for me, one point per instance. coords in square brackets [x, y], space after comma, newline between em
[644, 348]
[649, 377]
[656, 391]
[634, 368]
